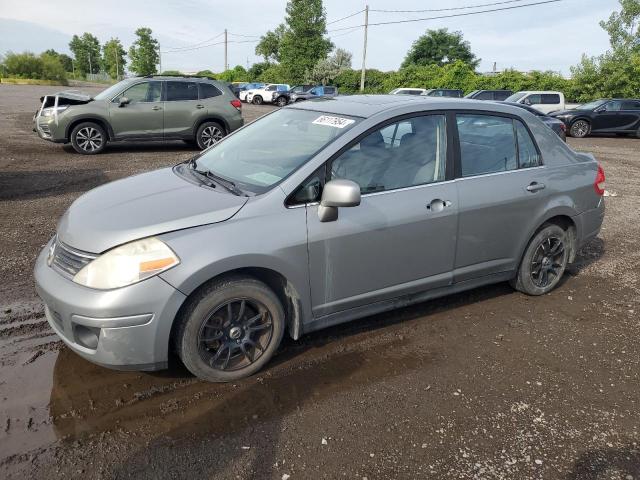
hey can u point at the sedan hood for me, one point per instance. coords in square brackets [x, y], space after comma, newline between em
[140, 206]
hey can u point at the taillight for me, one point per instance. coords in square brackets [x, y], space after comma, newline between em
[563, 127]
[598, 184]
[237, 103]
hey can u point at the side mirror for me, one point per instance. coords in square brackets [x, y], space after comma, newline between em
[336, 194]
[123, 101]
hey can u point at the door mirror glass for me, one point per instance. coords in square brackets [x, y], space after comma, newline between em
[124, 101]
[337, 193]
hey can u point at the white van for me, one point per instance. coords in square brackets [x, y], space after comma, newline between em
[545, 101]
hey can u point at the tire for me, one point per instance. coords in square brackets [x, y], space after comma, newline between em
[281, 101]
[580, 129]
[208, 134]
[548, 254]
[257, 100]
[88, 138]
[638, 133]
[218, 338]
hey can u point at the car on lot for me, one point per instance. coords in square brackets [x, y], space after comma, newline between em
[282, 98]
[496, 95]
[364, 204]
[554, 124]
[245, 89]
[408, 91]
[617, 115]
[196, 110]
[444, 92]
[316, 92]
[265, 94]
[544, 101]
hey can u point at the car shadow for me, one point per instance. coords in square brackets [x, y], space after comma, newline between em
[118, 148]
[30, 185]
[607, 463]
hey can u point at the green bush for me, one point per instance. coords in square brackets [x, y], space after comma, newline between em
[28, 65]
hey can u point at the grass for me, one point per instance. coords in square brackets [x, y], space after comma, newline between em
[31, 81]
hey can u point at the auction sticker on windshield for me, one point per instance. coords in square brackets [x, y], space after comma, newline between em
[331, 121]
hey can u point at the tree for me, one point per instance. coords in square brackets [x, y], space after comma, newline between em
[326, 70]
[65, 60]
[86, 50]
[236, 74]
[113, 60]
[256, 70]
[303, 42]
[624, 27]
[269, 45]
[439, 47]
[144, 53]
[26, 65]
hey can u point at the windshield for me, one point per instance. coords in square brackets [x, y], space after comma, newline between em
[265, 152]
[515, 97]
[591, 105]
[111, 91]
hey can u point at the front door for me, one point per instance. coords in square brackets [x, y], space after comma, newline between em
[143, 116]
[401, 238]
[613, 116]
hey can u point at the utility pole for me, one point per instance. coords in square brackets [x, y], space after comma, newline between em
[90, 69]
[226, 64]
[159, 59]
[117, 67]
[364, 50]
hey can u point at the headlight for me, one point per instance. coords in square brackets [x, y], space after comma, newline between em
[127, 264]
[49, 112]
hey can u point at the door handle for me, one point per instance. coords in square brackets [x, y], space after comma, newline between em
[199, 106]
[535, 186]
[437, 205]
[155, 107]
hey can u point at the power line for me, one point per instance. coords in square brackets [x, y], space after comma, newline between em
[349, 16]
[241, 35]
[448, 9]
[466, 14]
[195, 44]
[210, 45]
[354, 29]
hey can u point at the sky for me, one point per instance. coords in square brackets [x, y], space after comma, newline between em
[552, 36]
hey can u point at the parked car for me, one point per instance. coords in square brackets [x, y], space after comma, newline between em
[351, 212]
[496, 95]
[554, 124]
[408, 91]
[617, 115]
[236, 87]
[242, 92]
[544, 101]
[315, 92]
[444, 92]
[265, 94]
[196, 110]
[283, 97]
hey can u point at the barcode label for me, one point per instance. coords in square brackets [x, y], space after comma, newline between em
[330, 121]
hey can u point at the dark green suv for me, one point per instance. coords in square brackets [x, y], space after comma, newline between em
[196, 110]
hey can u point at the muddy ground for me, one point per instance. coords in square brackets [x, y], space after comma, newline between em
[484, 384]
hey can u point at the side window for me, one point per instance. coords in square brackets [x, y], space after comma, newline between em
[631, 105]
[484, 96]
[550, 98]
[142, 92]
[177, 91]
[614, 106]
[270, 88]
[527, 154]
[310, 190]
[404, 154]
[487, 144]
[329, 90]
[502, 95]
[534, 99]
[208, 91]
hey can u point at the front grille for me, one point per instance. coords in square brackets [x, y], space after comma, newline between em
[69, 261]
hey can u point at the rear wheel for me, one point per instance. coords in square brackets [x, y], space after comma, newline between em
[257, 100]
[544, 261]
[230, 330]
[580, 129]
[209, 133]
[88, 138]
[281, 101]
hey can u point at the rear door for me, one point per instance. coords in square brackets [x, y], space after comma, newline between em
[615, 115]
[501, 184]
[182, 108]
[143, 116]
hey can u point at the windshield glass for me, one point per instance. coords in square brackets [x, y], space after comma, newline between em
[590, 105]
[263, 153]
[111, 91]
[515, 97]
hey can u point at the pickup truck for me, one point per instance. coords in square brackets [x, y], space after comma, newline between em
[315, 92]
[544, 101]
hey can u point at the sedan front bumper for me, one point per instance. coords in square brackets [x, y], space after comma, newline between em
[126, 328]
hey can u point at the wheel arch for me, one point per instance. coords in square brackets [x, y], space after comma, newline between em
[564, 220]
[100, 121]
[211, 118]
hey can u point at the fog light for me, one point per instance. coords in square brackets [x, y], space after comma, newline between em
[86, 336]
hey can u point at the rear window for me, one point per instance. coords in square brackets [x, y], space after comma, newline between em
[484, 96]
[550, 98]
[633, 105]
[177, 91]
[208, 91]
[501, 95]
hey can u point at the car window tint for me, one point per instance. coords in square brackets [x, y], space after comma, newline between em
[329, 90]
[534, 99]
[310, 190]
[527, 154]
[487, 144]
[501, 95]
[208, 91]
[550, 98]
[177, 91]
[613, 106]
[631, 105]
[484, 96]
[404, 154]
[142, 92]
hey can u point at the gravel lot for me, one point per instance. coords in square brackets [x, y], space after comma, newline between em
[484, 384]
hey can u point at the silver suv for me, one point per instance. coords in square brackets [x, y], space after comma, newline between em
[363, 205]
[194, 109]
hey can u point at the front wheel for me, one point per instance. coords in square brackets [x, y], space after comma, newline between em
[544, 261]
[209, 134]
[281, 101]
[230, 329]
[88, 138]
[580, 129]
[257, 100]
